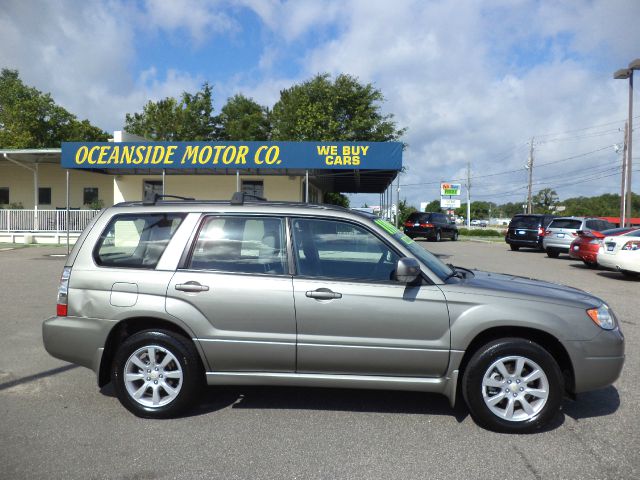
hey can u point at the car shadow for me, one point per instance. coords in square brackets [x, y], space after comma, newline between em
[214, 398]
[329, 399]
[618, 276]
[598, 403]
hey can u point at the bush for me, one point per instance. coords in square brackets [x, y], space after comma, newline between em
[480, 232]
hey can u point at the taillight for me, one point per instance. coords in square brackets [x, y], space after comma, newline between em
[575, 234]
[408, 224]
[426, 225]
[632, 245]
[63, 293]
[541, 231]
[547, 233]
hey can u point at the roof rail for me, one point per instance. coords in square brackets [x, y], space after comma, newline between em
[151, 198]
[239, 198]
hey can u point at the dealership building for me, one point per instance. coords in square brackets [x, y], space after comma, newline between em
[40, 189]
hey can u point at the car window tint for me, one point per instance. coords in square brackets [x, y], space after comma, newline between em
[327, 248]
[566, 223]
[241, 245]
[525, 221]
[592, 224]
[136, 240]
[635, 233]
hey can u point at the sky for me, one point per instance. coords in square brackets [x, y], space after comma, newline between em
[472, 81]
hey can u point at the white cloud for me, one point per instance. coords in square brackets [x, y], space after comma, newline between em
[82, 52]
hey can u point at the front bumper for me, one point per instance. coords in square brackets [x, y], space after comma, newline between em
[597, 363]
[77, 340]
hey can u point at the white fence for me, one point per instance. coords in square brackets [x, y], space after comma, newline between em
[44, 220]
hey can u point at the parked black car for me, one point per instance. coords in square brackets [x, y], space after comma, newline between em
[527, 230]
[433, 226]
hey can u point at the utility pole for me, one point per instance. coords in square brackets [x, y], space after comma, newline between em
[629, 137]
[530, 167]
[468, 194]
[623, 186]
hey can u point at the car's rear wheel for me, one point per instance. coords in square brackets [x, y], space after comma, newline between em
[515, 248]
[156, 374]
[590, 264]
[551, 253]
[513, 385]
[438, 236]
[454, 237]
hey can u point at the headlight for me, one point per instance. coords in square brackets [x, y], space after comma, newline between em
[603, 317]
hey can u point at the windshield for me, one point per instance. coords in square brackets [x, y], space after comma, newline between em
[525, 222]
[429, 259]
[566, 223]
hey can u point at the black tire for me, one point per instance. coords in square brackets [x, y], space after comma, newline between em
[186, 360]
[438, 236]
[551, 253]
[454, 237]
[590, 264]
[515, 248]
[479, 365]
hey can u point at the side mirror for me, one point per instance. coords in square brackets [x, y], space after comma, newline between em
[407, 270]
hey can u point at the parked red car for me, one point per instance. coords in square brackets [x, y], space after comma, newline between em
[585, 247]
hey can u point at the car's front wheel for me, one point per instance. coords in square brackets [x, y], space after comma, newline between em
[513, 385]
[156, 374]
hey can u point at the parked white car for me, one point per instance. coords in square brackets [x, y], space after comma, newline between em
[621, 253]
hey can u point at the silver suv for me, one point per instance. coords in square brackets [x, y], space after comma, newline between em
[564, 230]
[162, 298]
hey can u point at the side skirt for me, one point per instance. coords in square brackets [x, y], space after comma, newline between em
[444, 385]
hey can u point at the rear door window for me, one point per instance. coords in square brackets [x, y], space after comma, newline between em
[136, 240]
[569, 223]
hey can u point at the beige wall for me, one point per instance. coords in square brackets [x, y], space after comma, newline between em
[113, 189]
[207, 187]
[21, 187]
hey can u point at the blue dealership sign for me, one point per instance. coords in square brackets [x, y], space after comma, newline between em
[233, 155]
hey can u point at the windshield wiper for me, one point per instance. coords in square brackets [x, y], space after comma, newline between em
[454, 273]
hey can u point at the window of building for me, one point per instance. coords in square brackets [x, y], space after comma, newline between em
[136, 240]
[44, 196]
[4, 195]
[241, 244]
[90, 195]
[253, 187]
[151, 186]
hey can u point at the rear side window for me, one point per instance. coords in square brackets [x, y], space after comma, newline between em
[136, 240]
[525, 222]
[566, 223]
[241, 245]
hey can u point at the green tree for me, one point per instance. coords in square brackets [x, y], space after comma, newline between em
[544, 200]
[324, 110]
[31, 119]
[243, 119]
[171, 119]
[404, 210]
[433, 206]
[336, 199]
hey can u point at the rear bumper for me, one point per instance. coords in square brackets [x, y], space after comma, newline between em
[420, 232]
[621, 261]
[521, 242]
[76, 339]
[557, 245]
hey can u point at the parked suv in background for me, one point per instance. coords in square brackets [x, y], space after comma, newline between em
[161, 298]
[527, 230]
[433, 226]
[564, 230]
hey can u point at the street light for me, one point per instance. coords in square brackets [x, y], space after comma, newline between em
[622, 74]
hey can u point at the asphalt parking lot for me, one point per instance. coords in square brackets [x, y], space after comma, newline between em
[56, 423]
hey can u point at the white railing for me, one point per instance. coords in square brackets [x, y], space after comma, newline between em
[38, 220]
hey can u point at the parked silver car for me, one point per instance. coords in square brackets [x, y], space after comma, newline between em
[164, 297]
[564, 230]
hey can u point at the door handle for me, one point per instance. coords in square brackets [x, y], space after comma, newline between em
[191, 287]
[323, 294]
